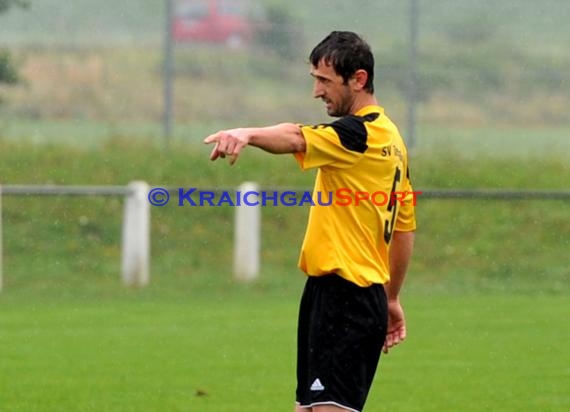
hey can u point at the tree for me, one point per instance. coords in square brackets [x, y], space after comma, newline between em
[8, 73]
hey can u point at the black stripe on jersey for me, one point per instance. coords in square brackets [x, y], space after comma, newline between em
[352, 132]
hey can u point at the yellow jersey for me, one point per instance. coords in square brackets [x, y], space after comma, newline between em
[362, 195]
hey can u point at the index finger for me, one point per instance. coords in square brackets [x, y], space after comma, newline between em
[212, 138]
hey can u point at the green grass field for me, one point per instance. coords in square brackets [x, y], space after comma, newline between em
[235, 352]
[486, 297]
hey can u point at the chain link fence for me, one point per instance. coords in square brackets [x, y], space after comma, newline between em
[484, 74]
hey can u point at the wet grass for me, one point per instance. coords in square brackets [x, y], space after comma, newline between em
[486, 294]
[213, 352]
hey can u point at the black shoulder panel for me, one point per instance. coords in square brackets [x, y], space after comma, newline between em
[352, 132]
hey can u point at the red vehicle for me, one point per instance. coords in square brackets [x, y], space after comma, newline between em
[213, 21]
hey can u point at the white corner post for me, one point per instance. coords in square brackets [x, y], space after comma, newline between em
[135, 246]
[247, 232]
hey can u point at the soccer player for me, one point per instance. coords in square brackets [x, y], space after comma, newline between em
[355, 252]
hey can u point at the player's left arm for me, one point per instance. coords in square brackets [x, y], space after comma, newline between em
[277, 139]
[401, 249]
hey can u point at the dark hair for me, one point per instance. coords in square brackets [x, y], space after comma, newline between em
[347, 52]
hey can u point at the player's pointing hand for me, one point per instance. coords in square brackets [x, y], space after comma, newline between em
[228, 143]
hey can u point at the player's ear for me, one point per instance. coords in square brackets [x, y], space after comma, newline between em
[360, 78]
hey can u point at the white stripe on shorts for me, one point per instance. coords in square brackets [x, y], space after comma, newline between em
[327, 403]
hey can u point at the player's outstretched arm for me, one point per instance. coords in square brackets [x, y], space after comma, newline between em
[400, 253]
[277, 139]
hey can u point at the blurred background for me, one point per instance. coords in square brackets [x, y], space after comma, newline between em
[107, 92]
[100, 65]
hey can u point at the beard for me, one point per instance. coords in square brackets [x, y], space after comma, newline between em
[344, 106]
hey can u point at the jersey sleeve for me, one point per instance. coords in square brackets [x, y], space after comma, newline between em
[340, 144]
[406, 220]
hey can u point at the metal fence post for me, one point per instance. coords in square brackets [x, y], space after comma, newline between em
[1, 235]
[135, 243]
[413, 75]
[247, 233]
[168, 73]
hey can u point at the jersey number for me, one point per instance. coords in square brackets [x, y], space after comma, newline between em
[392, 207]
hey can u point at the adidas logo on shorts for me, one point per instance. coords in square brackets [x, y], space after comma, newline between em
[317, 385]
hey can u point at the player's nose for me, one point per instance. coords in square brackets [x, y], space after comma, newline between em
[318, 91]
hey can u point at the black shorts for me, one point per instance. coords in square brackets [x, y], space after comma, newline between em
[341, 331]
